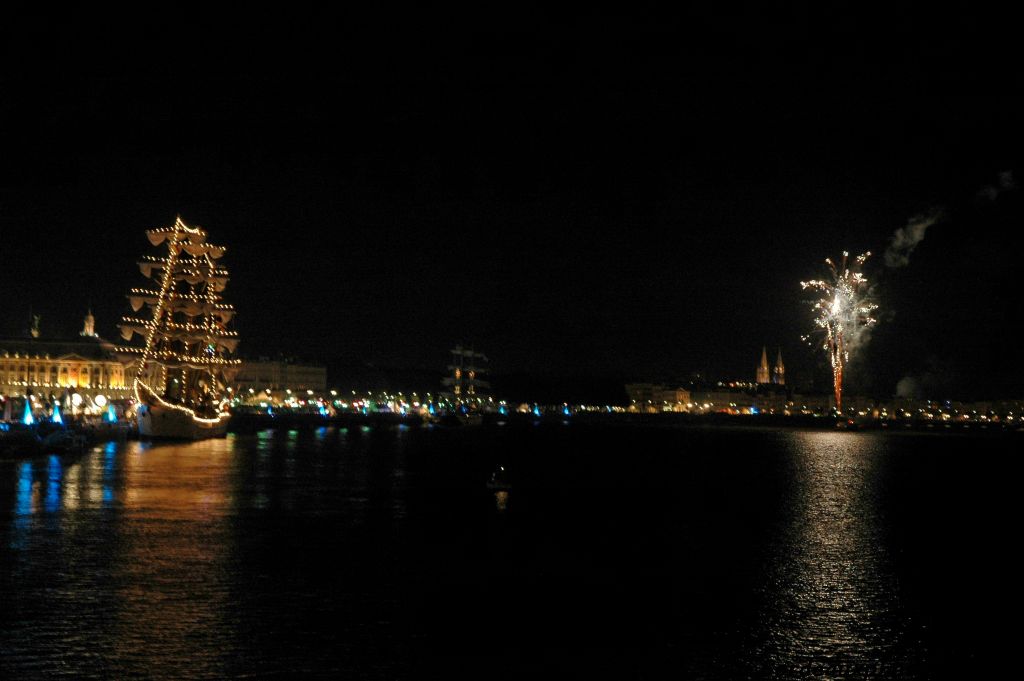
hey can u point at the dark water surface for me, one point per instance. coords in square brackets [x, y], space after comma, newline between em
[619, 553]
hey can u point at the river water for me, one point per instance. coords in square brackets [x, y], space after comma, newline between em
[619, 552]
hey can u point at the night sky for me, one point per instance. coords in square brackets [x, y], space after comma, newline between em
[589, 200]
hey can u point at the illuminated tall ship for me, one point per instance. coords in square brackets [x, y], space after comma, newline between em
[182, 356]
[466, 383]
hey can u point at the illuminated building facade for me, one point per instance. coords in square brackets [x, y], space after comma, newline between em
[275, 375]
[87, 363]
[655, 397]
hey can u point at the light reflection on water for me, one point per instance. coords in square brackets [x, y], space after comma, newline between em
[137, 557]
[53, 477]
[831, 599]
[136, 588]
[109, 461]
[334, 552]
[26, 503]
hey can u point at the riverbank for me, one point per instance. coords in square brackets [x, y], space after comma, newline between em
[250, 422]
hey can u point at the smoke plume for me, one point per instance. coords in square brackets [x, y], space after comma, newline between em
[905, 239]
[909, 387]
[1003, 184]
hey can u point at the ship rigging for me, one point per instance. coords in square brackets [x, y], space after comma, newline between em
[184, 362]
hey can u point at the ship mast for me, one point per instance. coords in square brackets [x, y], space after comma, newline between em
[182, 361]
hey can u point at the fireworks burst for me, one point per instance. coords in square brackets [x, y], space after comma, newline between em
[844, 311]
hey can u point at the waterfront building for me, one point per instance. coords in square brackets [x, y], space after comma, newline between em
[85, 363]
[655, 397]
[721, 398]
[276, 375]
[769, 402]
[643, 393]
[812, 403]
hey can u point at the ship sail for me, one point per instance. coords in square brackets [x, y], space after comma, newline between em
[182, 345]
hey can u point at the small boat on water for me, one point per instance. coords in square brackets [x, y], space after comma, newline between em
[499, 480]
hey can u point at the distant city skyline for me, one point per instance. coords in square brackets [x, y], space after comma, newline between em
[584, 204]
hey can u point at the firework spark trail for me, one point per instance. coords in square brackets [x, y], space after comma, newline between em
[843, 313]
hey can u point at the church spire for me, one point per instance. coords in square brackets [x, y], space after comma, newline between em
[779, 373]
[762, 371]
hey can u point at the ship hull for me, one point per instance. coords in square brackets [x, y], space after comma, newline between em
[159, 422]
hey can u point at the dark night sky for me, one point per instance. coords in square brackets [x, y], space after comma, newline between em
[582, 200]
